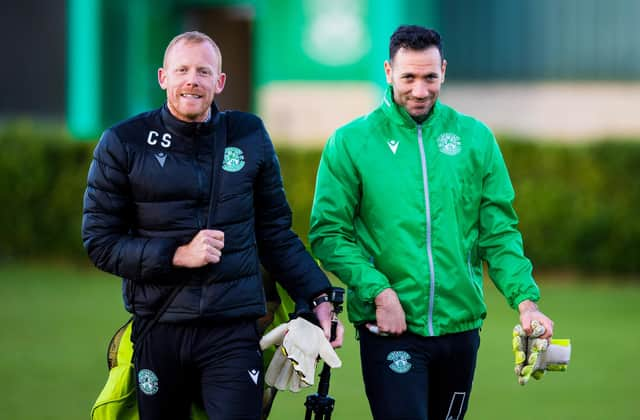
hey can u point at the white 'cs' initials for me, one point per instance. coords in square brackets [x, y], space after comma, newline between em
[165, 141]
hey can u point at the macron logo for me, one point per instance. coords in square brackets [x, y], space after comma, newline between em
[161, 157]
[393, 145]
[254, 374]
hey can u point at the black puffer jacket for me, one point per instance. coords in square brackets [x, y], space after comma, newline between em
[148, 193]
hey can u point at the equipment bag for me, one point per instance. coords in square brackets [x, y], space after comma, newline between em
[117, 400]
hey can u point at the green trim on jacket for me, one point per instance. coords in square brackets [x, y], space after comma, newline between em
[418, 208]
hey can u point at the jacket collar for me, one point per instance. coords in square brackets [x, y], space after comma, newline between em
[190, 129]
[400, 116]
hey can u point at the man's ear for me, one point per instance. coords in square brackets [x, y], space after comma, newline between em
[162, 78]
[220, 83]
[444, 69]
[388, 71]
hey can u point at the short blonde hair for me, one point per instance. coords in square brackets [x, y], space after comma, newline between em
[195, 37]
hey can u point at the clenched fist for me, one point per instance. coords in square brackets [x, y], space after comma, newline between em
[204, 248]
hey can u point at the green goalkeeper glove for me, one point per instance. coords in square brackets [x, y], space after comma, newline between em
[520, 344]
[534, 355]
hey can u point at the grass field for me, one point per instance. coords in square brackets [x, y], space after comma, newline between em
[57, 321]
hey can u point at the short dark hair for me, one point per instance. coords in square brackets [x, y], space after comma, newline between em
[414, 37]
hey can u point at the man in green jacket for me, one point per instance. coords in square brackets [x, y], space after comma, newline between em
[410, 200]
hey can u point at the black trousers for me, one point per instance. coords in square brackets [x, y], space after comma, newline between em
[418, 378]
[219, 366]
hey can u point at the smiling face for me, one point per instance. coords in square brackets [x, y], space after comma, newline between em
[191, 75]
[416, 77]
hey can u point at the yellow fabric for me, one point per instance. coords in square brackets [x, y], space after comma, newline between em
[117, 400]
[118, 397]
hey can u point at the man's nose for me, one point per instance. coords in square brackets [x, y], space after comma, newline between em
[420, 90]
[192, 78]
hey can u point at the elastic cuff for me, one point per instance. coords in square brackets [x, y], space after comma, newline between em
[373, 293]
[307, 315]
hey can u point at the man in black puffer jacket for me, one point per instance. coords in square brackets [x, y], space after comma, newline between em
[188, 196]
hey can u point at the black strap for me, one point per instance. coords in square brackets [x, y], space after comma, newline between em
[219, 144]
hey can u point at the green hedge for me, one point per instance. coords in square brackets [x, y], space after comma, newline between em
[42, 179]
[577, 203]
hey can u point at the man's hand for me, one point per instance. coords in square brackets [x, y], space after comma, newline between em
[529, 312]
[204, 248]
[301, 342]
[390, 317]
[324, 313]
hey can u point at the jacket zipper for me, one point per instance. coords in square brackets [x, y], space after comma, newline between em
[432, 270]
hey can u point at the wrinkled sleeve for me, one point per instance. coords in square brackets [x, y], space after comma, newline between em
[281, 251]
[500, 240]
[108, 220]
[332, 234]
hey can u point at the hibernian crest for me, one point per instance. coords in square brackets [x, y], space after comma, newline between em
[449, 144]
[399, 361]
[233, 159]
[148, 382]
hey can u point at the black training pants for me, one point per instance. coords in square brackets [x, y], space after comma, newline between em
[218, 365]
[411, 377]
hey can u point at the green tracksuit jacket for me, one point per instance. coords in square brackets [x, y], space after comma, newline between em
[418, 207]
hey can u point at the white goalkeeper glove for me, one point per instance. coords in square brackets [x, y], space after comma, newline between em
[534, 355]
[294, 362]
[281, 374]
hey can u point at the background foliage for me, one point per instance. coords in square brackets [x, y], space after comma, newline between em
[577, 203]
